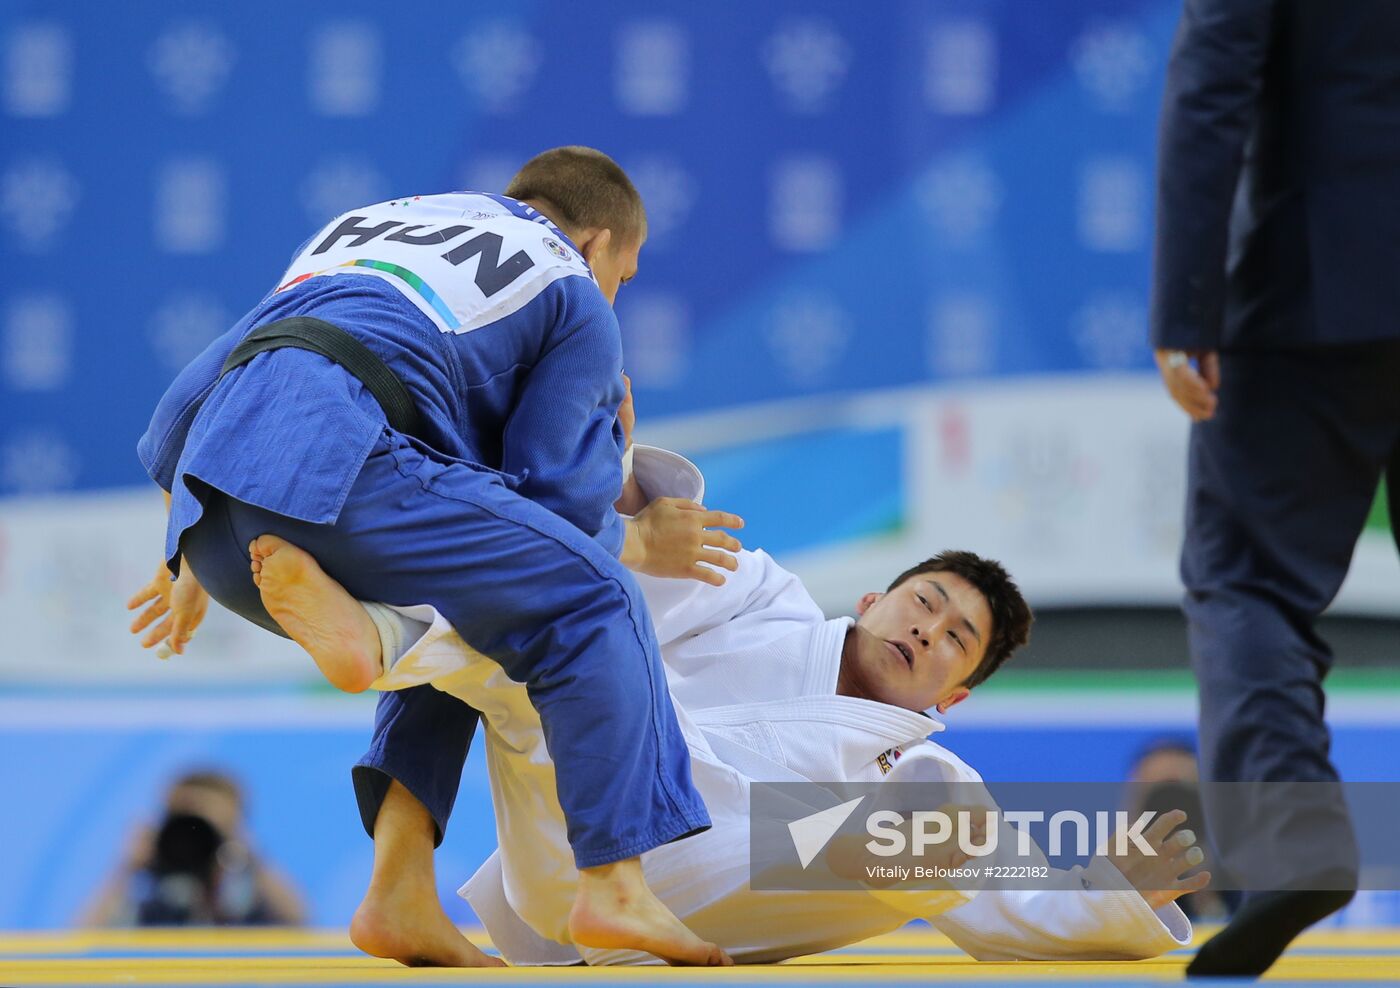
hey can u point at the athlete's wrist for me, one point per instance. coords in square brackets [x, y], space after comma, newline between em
[634, 553]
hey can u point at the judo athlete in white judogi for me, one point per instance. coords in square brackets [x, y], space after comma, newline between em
[766, 688]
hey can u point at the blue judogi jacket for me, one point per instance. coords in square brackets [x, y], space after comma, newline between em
[486, 312]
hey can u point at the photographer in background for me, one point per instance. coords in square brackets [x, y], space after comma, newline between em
[195, 867]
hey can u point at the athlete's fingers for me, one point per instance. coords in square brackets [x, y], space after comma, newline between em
[722, 559]
[1184, 840]
[1193, 884]
[159, 633]
[148, 592]
[1164, 825]
[1178, 853]
[706, 575]
[712, 519]
[720, 540]
[1179, 864]
[148, 615]
[1182, 858]
[181, 631]
[721, 519]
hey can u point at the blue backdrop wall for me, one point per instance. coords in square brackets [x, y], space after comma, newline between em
[843, 196]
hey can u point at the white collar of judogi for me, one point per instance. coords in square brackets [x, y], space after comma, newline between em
[824, 670]
[818, 733]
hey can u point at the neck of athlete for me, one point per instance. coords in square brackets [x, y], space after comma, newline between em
[552, 213]
[847, 682]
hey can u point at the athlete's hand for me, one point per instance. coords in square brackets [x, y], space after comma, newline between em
[627, 414]
[1158, 878]
[182, 603]
[632, 499]
[1194, 387]
[672, 537]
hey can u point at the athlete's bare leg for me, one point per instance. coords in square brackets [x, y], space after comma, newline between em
[317, 613]
[401, 916]
[614, 907]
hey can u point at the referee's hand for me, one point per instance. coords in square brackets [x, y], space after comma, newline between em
[1192, 378]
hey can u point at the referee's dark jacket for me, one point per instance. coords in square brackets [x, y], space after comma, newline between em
[1295, 104]
[1278, 244]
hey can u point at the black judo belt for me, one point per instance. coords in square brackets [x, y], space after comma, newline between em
[334, 343]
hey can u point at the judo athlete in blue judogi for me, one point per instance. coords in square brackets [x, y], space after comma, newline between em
[496, 509]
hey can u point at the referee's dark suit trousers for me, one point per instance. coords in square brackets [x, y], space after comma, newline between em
[1279, 487]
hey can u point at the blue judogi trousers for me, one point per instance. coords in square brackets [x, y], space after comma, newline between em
[522, 586]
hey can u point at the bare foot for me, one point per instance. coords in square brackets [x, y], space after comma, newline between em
[616, 910]
[414, 931]
[317, 612]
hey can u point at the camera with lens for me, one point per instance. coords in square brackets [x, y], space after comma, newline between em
[182, 873]
[196, 876]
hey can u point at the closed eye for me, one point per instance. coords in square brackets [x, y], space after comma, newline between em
[954, 635]
[923, 600]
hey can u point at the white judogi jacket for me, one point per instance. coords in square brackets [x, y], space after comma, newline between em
[752, 667]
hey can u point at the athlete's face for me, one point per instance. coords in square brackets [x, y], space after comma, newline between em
[614, 264]
[914, 646]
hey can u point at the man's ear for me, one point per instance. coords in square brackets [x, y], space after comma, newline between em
[594, 242]
[864, 603]
[953, 699]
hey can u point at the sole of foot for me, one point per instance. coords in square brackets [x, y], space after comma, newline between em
[317, 613]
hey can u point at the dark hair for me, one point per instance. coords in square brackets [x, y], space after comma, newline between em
[585, 188]
[1011, 616]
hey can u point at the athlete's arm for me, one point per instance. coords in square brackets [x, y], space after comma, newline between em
[633, 499]
[562, 438]
[565, 441]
